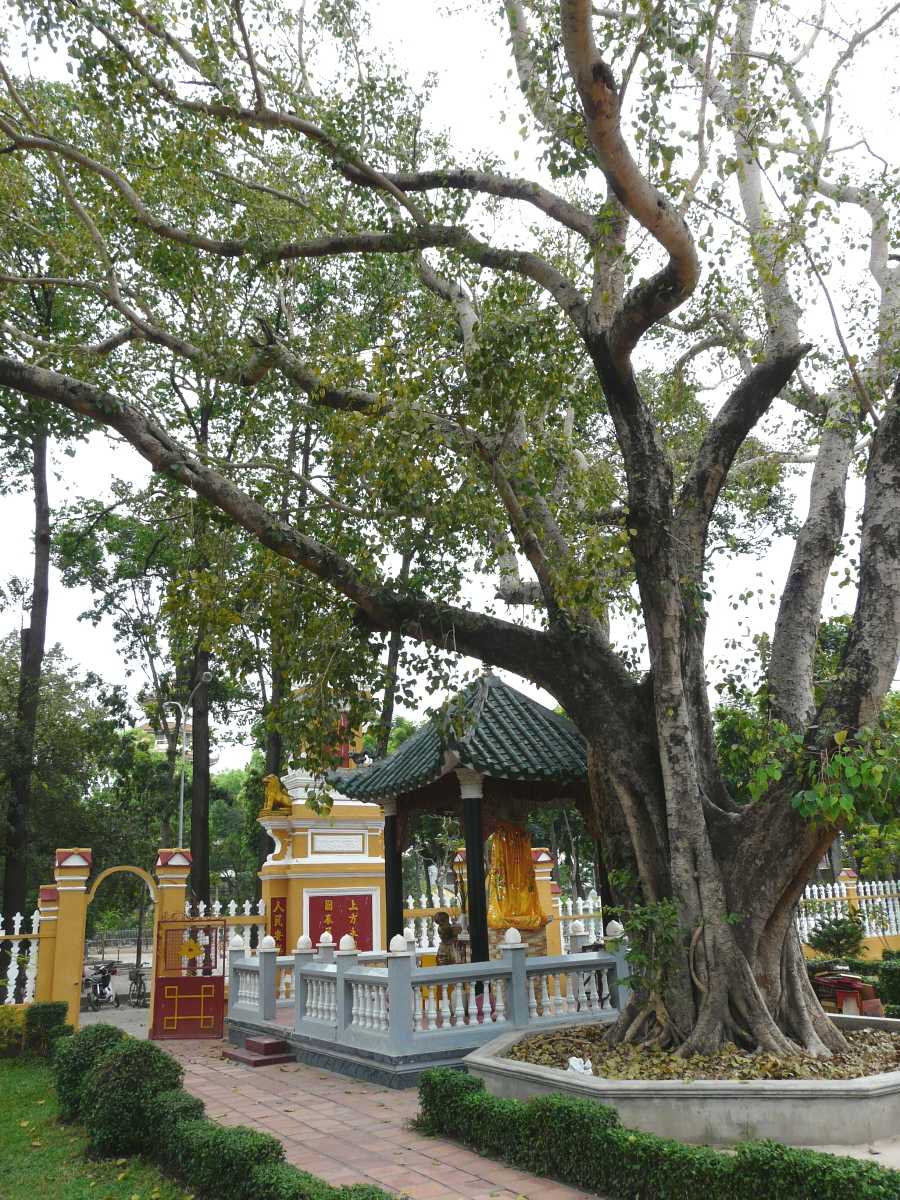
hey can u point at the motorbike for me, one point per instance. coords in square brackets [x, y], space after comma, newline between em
[101, 989]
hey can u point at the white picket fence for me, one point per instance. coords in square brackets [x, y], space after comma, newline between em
[21, 946]
[588, 911]
[877, 901]
[419, 921]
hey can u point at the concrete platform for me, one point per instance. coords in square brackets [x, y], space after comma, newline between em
[835, 1114]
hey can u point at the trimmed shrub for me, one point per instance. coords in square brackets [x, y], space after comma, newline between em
[583, 1144]
[783, 1173]
[44, 1023]
[280, 1181]
[117, 1091]
[442, 1101]
[838, 935]
[12, 1029]
[164, 1113]
[889, 982]
[73, 1057]
[217, 1160]
[892, 1010]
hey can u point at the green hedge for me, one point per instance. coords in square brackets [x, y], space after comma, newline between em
[889, 982]
[163, 1114]
[117, 1092]
[279, 1181]
[217, 1160]
[73, 1057]
[583, 1144]
[44, 1023]
[127, 1094]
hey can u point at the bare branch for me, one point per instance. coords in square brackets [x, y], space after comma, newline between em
[790, 669]
[489, 184]
[873, 645]
[727, 432]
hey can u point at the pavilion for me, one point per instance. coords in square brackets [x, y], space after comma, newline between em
[490, 755]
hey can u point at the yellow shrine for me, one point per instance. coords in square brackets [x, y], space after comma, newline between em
[326, 870]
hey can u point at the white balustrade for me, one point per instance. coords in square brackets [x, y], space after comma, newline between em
[21, 946]
[877, 902]
[587, 910]
[390, 1004]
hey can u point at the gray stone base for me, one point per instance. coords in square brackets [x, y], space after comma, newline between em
[385, 1070]
[799, 1112]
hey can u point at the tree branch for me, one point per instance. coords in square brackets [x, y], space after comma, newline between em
[790, 670]
[656, 297]
[487, 183]
[873, 646]
[487, 638]
[727, 432]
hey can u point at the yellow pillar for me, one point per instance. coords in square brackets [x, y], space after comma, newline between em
[48, 907]
[172, 869]
[543, 866]
[275, 818]
[71, 873]
[849, 880]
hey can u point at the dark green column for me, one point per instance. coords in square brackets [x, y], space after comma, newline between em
[470, 787]
[393, 872]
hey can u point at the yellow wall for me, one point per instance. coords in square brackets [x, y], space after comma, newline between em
[872, 948]
[339, 852]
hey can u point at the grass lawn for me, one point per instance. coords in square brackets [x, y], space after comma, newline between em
[40, 1159]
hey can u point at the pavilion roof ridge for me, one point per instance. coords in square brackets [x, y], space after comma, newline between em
[489, 727]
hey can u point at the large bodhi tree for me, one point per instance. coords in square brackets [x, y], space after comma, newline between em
[494, 397]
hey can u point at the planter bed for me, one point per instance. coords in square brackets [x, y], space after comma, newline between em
[798, 1112]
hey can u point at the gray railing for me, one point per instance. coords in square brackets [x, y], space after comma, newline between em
[401, 1008]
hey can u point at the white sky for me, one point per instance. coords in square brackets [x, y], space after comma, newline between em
[464, 48]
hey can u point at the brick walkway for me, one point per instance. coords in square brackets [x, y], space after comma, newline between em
[347, 1132]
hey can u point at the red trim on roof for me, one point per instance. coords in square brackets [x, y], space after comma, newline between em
[62, 856]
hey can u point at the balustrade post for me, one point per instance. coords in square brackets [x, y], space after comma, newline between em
[578, 937]
[45, 946]
[617, 946]
[513, 952]
[346, 959]
[235, 958]
[303, 956]
[400, 995]
[267, 952]
[326, 948]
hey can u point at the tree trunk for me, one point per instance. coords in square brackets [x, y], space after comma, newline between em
[274, 749]
[173, 741]
[736, 972]
[200, 780]
[22, 764]
[390, 676]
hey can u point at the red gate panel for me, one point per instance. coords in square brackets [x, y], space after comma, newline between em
[189, 1006]
[189, 991]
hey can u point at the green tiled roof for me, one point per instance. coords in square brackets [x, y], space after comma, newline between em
[493, 728]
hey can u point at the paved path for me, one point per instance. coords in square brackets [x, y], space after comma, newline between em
[346, 1131]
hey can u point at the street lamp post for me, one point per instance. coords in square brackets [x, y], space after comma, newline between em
[182, 709]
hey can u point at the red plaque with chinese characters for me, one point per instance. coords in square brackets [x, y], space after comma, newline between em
[339, 915]
[278, 922]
